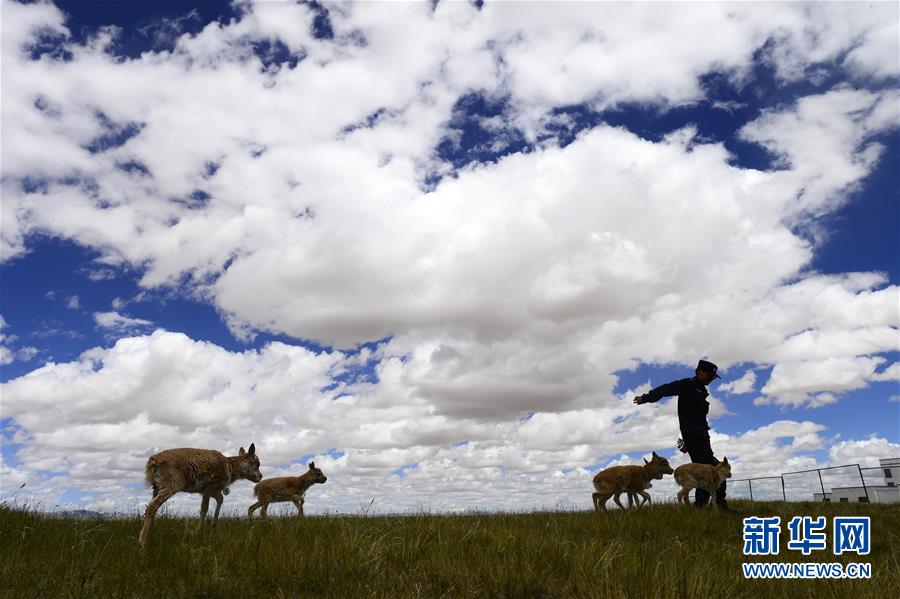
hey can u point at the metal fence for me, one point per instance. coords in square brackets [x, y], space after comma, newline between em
[797, 485]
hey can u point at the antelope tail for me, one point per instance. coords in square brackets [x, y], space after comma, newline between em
[150, 470]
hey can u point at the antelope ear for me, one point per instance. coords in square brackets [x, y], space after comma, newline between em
[645, 461]
[654, 455]
[252, 449]
[242, 452]
[725, 461]
[312, 465]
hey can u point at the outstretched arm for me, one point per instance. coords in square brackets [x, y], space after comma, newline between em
[655, 395]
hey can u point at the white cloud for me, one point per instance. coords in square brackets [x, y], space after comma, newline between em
[12, 479]
[872, 55]
[865, 452]
[812, 139]
[6, 355]
[838, 374]
[810, 36]
[162, 377]
[101, 274]
[73, 303]
[589, 53]
[22, 23]
[745, 384]
[816, 382]
[27, 353]
[120, 324]
[891, 373]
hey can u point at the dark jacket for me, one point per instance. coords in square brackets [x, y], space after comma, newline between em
[692, 404]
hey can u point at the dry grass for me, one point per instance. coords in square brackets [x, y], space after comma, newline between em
[664, 551]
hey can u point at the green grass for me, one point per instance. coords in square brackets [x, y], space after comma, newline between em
[664, 551]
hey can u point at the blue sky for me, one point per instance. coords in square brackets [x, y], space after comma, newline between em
[429, 244]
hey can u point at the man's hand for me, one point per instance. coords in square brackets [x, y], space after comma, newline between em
[640, 399]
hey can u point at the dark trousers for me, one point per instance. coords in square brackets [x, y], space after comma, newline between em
[701, 453]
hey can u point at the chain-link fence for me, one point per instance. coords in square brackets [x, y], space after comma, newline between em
[878, 476]
[816, 484]
[763, 488]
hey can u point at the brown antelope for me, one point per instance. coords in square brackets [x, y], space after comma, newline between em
[701, 476]
[614, 481]
[202, 471]
[285, 488]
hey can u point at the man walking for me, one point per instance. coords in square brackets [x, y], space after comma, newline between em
[692, 411]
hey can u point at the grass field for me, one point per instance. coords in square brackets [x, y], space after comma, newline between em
[664, 551]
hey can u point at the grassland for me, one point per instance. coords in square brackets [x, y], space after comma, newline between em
[665, 551]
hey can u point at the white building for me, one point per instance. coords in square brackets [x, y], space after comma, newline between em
[889, 492]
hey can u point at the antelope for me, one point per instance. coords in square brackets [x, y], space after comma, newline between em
[204, 471]
[701, 476]
[285, 488]
[616, 480]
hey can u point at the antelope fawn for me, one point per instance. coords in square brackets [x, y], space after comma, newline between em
[616, 480]
[285, 488]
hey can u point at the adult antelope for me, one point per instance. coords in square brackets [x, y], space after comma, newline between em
[204, 471]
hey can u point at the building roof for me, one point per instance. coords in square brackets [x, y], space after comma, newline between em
[869, 487]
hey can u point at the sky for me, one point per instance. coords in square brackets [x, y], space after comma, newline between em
[439, 247]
